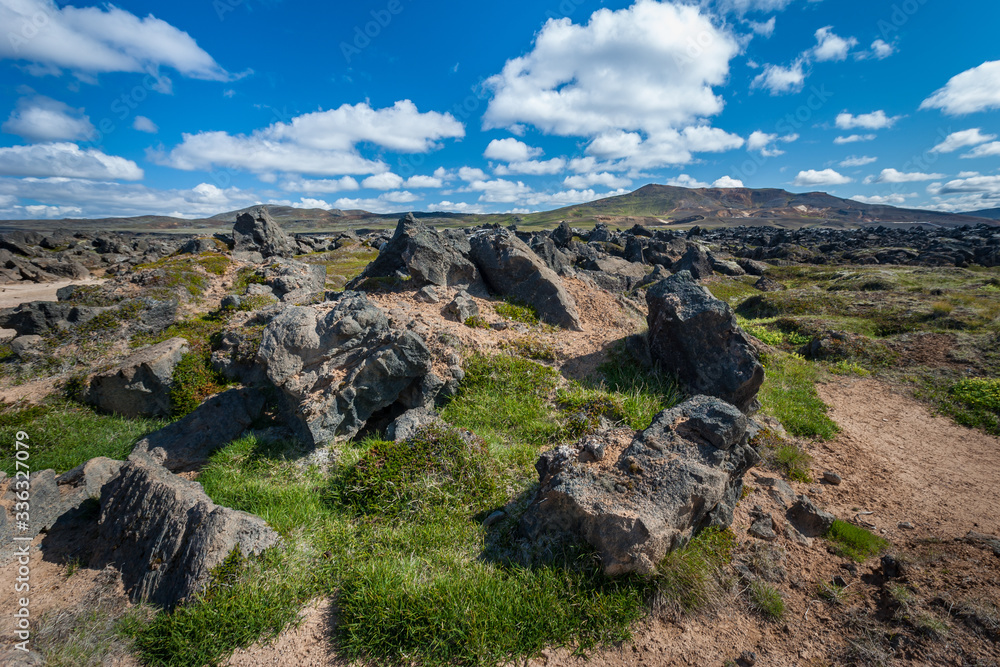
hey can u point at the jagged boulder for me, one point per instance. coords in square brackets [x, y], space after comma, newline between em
[512, 269]
[338, 367]
[695, 336]
[462, 307]
[429, 256]
[256, 231]
[634, 500]
[166, 535]
[139, 385]
[187, 443]
[695, 261]
[40, 317]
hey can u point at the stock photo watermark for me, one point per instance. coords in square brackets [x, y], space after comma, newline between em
[21, 487]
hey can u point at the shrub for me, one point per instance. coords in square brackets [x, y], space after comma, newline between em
[194, 380]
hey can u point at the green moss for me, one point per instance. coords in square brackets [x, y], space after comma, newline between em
[531, 347]
[476, 322]
[193, 381]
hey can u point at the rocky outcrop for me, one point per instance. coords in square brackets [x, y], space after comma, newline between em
[140, 385]
[695, 336]
[511, 269]
[256, 231]
[695, 261]
[187, 443]
[636, 501]
[41, 317]
[428, 256]
[166, 535]
[462, 307]
[337, 367]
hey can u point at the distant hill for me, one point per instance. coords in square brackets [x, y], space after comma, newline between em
[665, 204]
[651, 205]
[991, 213]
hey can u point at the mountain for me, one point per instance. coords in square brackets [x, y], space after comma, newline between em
[664, 204]
[652, 205]
[991, 213]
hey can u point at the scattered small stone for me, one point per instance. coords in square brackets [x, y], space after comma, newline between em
[832, 478]
[892, 568]
[816, 491]
[494, 518]
[427, 294]
[905, 525]
[748, 658]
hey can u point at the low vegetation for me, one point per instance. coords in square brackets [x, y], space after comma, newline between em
[854, 542]
[789, 394]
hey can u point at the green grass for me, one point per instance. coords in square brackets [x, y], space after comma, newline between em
[343, 264]
[791, 460]
[733, 290]
[63, 434]
[193, 381]
[185, 272]
[395, 532]
[531, 347]
[766, 600]
[246, 276]
[199, 331]
[789, 394]
[692, 578]
[854, 542]
[975, 402]
[517, 312]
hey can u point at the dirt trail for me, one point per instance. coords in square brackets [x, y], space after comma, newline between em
[906, 464]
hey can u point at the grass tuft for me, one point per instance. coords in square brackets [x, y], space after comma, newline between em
[789, 394]
[854, 542]
[766, 600]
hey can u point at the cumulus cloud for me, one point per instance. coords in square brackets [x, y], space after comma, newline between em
[41, 118]
[961, 139]
[388, 202]
[812, 177]
[763, 143]
[383, 181]
[320, 186]
[765, 29]
[607, 179]
[880, 49]
[780, 80]
[322, 143]
[625, 80]
[99, 39]
[66, 159]
[144, 124]
[103, 198]
[686, 181]
[876, 120]
[422, 181]
[727, 182]
[531, 167]
[976, 89]
[892, 200]
[854, 138]
[896, 176]
[974, 184]
[830, 46]
[857, 161]
[510, 150]
[742, 7]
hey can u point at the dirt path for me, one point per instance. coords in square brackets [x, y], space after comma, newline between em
[908, 465]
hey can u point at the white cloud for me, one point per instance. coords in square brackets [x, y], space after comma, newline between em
[975, 184]
[896, 176]
[532, 167]
[144, 124]
[607, 179]
[986, 150]
[99, 39]
[388, 202]
[968, 174]
[812, 177]
[742, 7]
[471, 174]
[961, 139]
[323, 143]
[976, 89]
[762, 142]
[103, 198]
[65, 159]
[765, 29]
[780, 80]
[567, 197]
[892, 200]
[854, 138]
[881, 49]
[499, 190]
[727, 182]
[306, 202]
[458, 207]
[857, 161]
[625, 79]
[876, 120]
[42, 118]
[510, 150]
[320, 186]
[383, 181]
[420, 181]
[686, 181]
[830, 46]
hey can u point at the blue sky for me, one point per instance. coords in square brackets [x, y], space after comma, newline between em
[197, 107]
